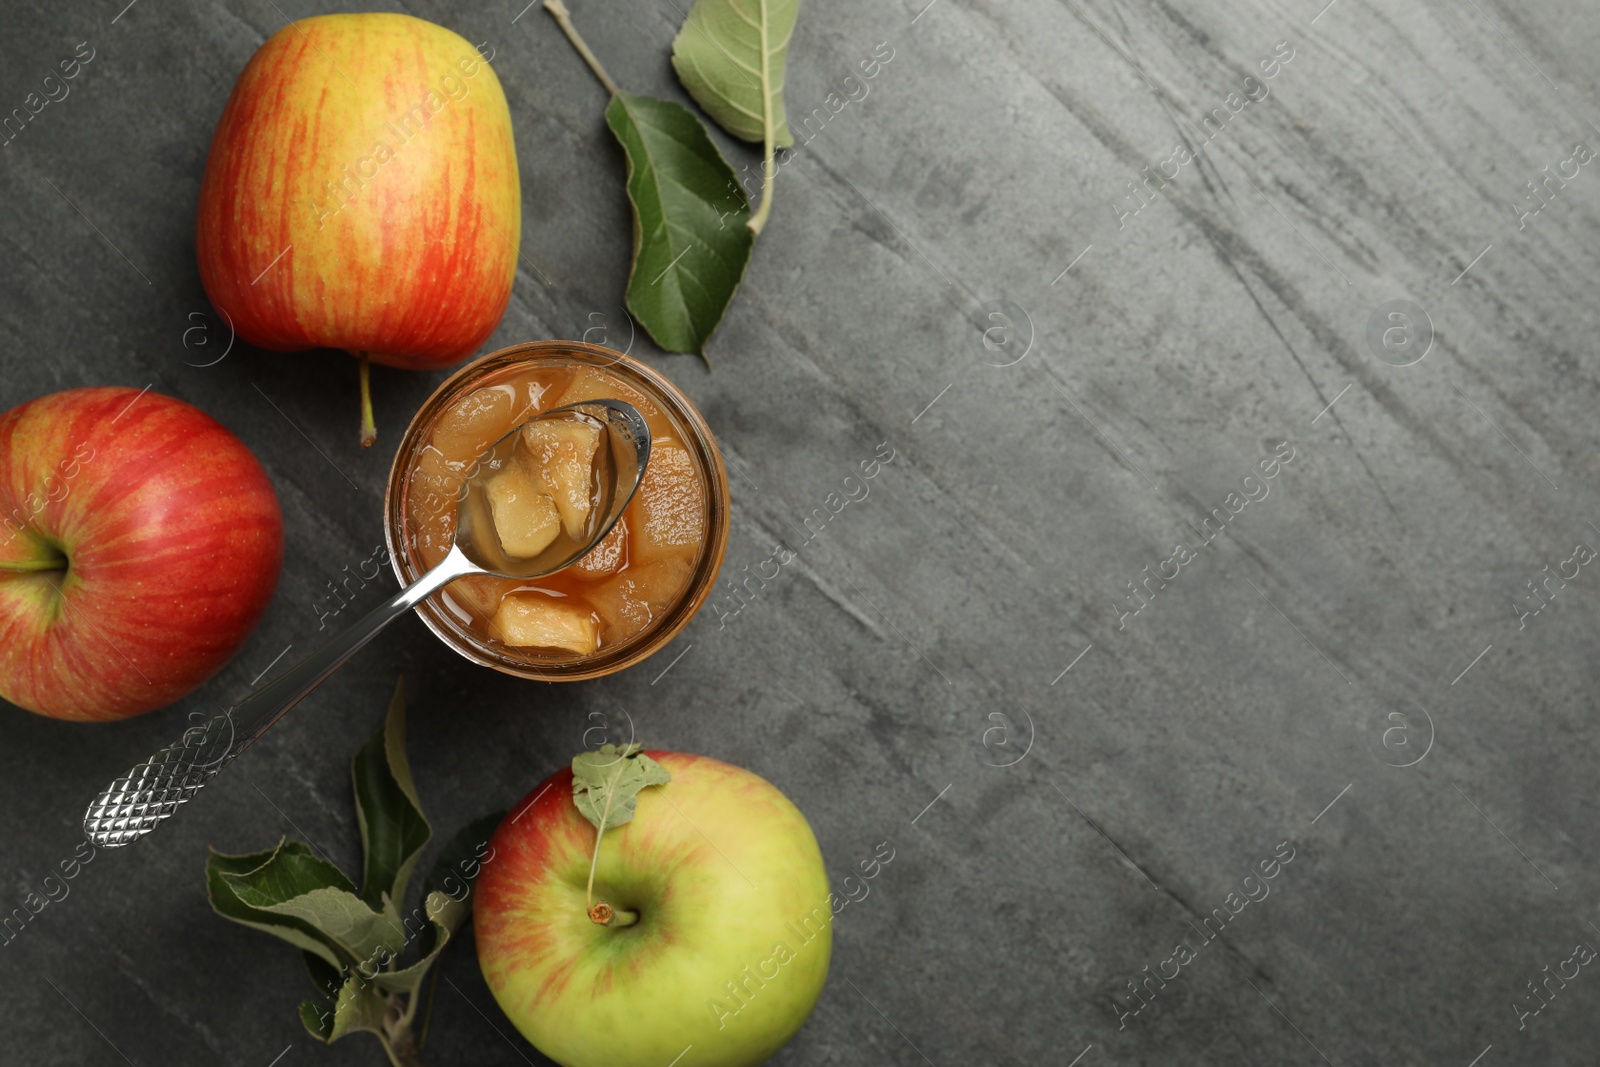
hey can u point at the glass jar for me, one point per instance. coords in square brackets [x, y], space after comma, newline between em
[546, 664]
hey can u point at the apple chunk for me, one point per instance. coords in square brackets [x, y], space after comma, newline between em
[477, 420]
[673, 498]
[525, 516]
[629, 601]
[591, 383]
[480, 594]
[606, 558]
[561, 452]
[528, 620]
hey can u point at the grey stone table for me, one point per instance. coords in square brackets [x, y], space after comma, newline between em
[1084, 266]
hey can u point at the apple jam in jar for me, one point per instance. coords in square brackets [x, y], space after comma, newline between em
[629, 595]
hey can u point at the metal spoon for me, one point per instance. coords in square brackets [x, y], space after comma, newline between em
[150, 793]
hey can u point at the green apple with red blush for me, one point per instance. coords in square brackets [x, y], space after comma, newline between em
[646, 908]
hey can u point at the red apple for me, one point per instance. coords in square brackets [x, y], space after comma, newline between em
[140, 542]
[362, 193]
[730, 947]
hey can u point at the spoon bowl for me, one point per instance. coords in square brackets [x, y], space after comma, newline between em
[619, 465]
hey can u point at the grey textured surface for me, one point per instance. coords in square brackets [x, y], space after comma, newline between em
[925, 636]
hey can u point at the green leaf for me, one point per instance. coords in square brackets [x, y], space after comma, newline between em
[691, 240]
[289, 891]
[326, 978]
[393, 830]
[359, 1007]
[606, 784]
[719, 57]
[446, 916]
[318, 1020]
[343, 918]
[279, 874]
[459, 859]
[286, 871]
[446, 900]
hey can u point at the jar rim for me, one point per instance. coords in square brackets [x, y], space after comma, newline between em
[475, 646]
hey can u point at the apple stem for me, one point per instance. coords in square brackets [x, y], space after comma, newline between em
[402, 1053]
[395, 1035]
[603, 914]
[369, 428]
[599, 834]
[563, 17]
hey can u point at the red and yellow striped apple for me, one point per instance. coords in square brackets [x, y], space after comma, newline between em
[140, 542]
[733, 934]
[362, 193]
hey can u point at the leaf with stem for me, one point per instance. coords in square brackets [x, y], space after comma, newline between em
[359, 1007]
[689, 245]
[691, 240]
[318, 1021]
[352, 943]
[277, 874]
[606, 783]
[605, 788]
[730, 55]
[393, 829]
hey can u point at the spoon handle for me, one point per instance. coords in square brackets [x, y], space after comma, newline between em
[266, 705]
[151, 792]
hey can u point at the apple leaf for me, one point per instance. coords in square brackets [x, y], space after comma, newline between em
[324, 977]
[393, 829]
[606, 783]
[282, 872]
[446, 900]
[446, 916]
[691, 240]
[317, 1019]
[730, 55]
[345, 919]
[359, 1007]
[286, 871]
[351, 942]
